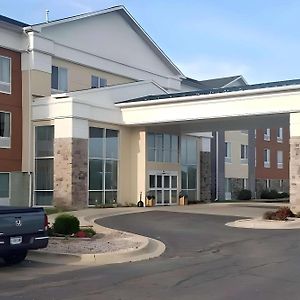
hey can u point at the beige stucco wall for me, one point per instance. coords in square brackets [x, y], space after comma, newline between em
[236, 169]
[40, 83]
[34, 84]
[79, 77]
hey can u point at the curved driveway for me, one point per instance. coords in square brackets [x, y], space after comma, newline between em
[207, 260]
[204, 260]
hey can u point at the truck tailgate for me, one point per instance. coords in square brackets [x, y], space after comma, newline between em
[21, 221]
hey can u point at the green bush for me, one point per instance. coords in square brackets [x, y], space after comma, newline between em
[88, 231]
[269, 194]
[283, 195]
[66, 224]
[244, 195]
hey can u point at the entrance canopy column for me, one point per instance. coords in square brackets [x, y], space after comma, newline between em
[295, 162]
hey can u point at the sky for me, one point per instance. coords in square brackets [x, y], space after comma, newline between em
[206, 38]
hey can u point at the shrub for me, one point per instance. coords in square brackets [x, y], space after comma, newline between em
[282, 214]
[268, 215]
[244, 195]
[89, 232]
[66, 224]
[283, 195]
[269, 194]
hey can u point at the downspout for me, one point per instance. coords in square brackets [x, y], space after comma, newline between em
[30, 200]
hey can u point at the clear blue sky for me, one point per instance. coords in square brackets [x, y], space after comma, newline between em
[205, 38]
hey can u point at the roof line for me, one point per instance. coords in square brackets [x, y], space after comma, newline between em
[12, 21]
[213, 91]
[123, 9]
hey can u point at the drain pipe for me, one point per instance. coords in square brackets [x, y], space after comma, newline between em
[30, 200]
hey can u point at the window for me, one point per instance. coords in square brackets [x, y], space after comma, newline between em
[267, 158]
[189, 166]
[59, 79]
[4, 185]
[267, 134]
[5, 74]
[5, 130]
[279, 135]
[228, 188]
[97, 82]
[44, 157]
[103, 165]
[162, 147]
[228, 152]
[244, 154]
[279, 159]
[280, 185]
[245, 183]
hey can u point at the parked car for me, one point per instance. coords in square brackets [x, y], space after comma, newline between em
[21, 229]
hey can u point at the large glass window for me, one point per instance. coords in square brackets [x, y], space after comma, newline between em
[103, 165]
[162, 147]
[59, 79]
[4, 130]
[44, 155]
[5, 74]
[4, 185]
[188, 156]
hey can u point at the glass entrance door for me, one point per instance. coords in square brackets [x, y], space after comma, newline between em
[164, 187]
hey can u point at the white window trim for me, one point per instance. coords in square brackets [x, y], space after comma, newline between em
[267, 163]
[280, 164]
[245, 159]
[280, 137]
[8, 139]
[267, 136]
[10, 77]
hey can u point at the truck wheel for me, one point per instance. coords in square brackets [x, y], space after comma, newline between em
[15, 257]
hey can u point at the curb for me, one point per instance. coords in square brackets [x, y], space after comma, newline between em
[292, 223]
[150, 248]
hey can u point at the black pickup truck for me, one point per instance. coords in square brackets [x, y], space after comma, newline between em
[21, 229]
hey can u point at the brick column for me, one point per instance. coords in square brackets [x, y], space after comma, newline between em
[295, 161]
[70, 172]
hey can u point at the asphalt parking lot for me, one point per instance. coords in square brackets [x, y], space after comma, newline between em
[204, 260]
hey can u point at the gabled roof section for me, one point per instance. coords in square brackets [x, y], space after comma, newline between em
[213, 83]
[131, 21]
[8, 22]
[259, 87]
